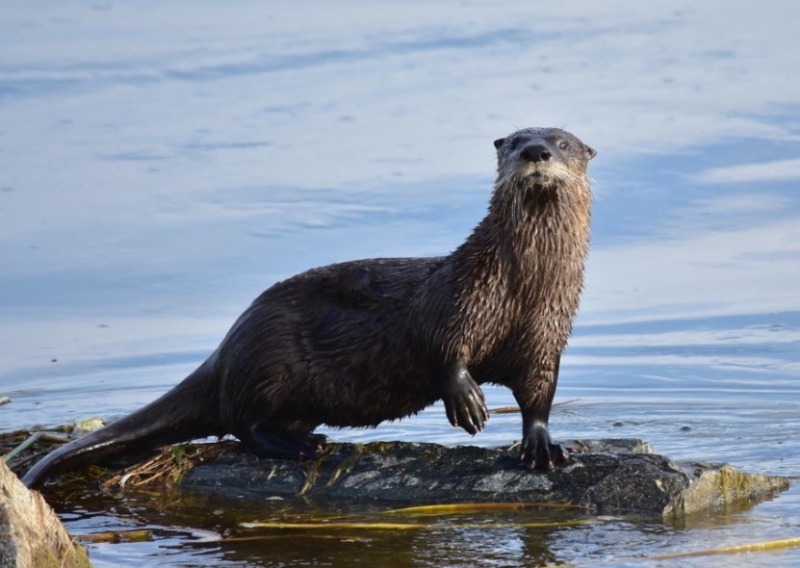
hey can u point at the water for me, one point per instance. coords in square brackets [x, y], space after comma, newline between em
[162, 163]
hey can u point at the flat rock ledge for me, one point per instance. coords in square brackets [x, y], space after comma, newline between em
[606, 476]
[31, 535]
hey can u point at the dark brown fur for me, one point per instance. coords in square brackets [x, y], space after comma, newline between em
[361, 342]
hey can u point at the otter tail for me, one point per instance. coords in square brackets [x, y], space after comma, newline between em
[187, 411]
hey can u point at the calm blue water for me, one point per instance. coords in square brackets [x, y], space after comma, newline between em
[162, 163]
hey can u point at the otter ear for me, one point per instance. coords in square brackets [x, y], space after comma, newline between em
[499, 142]
[590, 152]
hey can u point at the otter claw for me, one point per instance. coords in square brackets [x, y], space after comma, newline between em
[465, 403]
[547, 457]
[466, 413]
[539, 453]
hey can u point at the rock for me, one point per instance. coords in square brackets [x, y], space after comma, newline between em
[31, 535]
[608, 476]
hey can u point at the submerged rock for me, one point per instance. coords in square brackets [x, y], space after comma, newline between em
[31, 534]
[604, 476]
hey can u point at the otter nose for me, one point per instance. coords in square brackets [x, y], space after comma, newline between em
[535, 153]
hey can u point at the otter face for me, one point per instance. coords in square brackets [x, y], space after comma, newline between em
[545, 156]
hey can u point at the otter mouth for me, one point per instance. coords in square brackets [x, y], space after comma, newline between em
[538, 173]
[539, 178]
[539, 181]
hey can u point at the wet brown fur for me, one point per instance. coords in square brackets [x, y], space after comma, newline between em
[358, 343]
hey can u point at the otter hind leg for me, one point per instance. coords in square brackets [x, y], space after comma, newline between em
[266, 441]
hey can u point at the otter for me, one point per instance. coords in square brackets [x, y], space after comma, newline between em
[361, 342]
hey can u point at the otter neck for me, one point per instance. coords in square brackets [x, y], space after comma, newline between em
[521, 266]
[526, 235]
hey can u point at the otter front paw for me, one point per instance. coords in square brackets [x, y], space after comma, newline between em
[539, 452]
[464, 402]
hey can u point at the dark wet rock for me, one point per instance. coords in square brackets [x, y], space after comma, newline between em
[605, 476]
[31, 534]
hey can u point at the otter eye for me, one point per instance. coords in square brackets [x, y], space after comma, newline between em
[514, 144]
[563, 144]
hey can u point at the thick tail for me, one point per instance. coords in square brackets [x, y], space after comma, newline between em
[187, 411]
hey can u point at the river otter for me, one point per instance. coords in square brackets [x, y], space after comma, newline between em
[357, 343]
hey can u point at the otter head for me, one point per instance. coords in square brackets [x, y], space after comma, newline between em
[542, 159]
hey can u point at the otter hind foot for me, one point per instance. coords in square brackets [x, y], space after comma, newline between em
[539, 452]
[464, 401]
[275, 444]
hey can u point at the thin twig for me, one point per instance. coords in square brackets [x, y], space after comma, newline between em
[32, 439]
